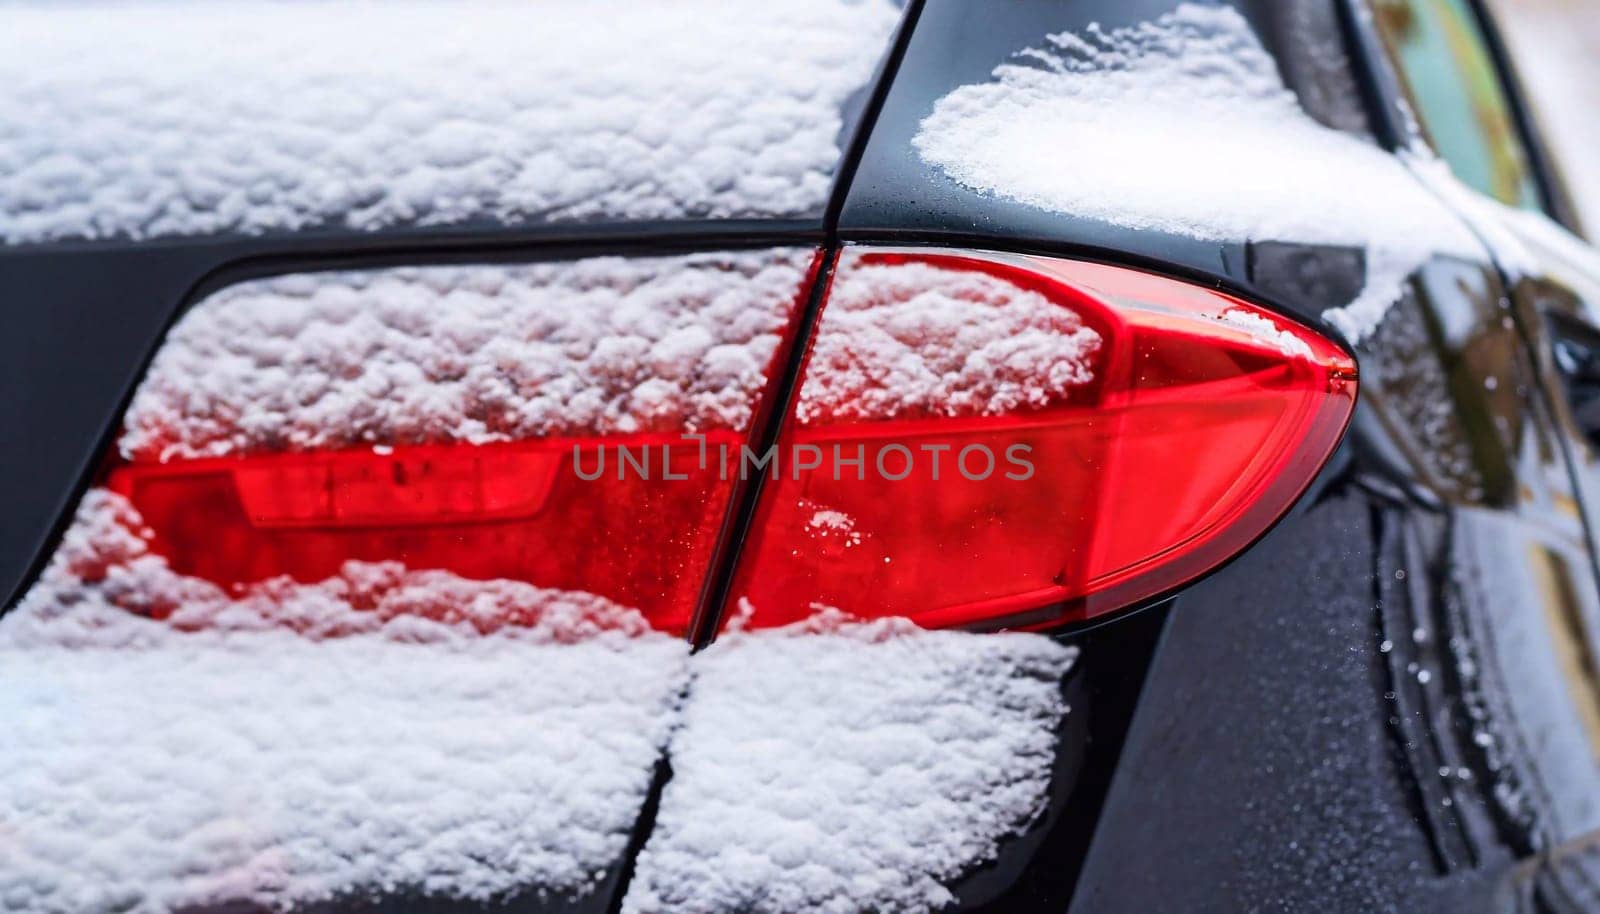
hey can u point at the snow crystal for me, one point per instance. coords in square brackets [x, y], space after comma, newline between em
[471, 353]
[902, 339]
[203, 116]
[839, 767]
[227, 753]
[1183, 124]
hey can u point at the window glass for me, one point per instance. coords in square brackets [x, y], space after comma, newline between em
[1444, 61]
[1556, 47]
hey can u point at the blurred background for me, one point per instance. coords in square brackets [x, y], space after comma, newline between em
[1556, 45]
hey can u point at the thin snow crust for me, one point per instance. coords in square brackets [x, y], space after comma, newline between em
[1183, 124]
[168, 745]
[910, 339]
[199, 117]
[478, 354]
[839, 767]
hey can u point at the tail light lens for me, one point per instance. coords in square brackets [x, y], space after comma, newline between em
[490, 422]
[516, 511]
[995, 440]
[977, 439]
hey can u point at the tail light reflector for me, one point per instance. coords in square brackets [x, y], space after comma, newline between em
[1117, 435]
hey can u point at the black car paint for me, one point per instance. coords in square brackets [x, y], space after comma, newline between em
[1244, 745]
[1280, 758]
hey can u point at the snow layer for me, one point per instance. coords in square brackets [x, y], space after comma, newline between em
[208, 116]
[1183, 124]
[839, 767]
[911, 339]
[147, 765]
[167, 744]
[473, 353]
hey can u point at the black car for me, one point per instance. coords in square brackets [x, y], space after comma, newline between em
[818, 455]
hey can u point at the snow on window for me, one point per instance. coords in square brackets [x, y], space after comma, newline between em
[475, 354]
[845, 767]
[205, 116]
[909, 339]
[1183, 124]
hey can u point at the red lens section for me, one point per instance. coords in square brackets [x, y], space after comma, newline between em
[979, 439]
[1069, 438]
[519, 511]
[644, 366]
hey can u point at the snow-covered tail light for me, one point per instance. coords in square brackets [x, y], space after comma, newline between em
[494, 423]
[996, 440]
[369, 600]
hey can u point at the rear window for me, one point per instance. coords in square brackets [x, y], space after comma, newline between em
[1448, 72]
[1556, 49]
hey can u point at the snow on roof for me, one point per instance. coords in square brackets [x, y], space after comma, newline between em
[914, 339]
[473, 353]
[124, 119]
[1183, 124]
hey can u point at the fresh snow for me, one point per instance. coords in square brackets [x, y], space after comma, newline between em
[1183, 124]
[838, 767]
[169, 745]
[195, 117]
[279, 770]
[912, 339]
[375, 731]
[478, 353]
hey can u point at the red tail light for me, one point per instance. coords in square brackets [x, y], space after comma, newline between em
[518, 511]
[1117, 436]
[579, 373]
[977, 439]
